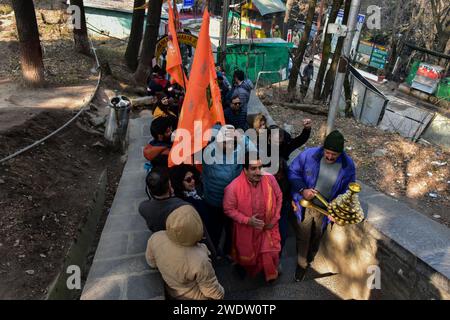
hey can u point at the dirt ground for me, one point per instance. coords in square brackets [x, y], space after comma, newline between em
[69, 81]
[44, 196]
[412, 172]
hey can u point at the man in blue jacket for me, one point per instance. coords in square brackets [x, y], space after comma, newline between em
[242, 88]
[327, 170]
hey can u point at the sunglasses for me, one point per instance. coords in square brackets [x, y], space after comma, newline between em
[189, 179]
[236, 103]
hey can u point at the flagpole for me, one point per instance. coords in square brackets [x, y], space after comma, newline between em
[184, 73]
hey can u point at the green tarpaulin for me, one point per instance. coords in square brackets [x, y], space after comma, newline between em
[259, 55]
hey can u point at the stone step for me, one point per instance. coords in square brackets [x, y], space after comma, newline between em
[232, 283]
[325, 288]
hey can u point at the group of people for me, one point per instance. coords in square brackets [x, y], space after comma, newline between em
[232, 209]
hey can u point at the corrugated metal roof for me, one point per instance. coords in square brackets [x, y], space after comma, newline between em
[116, 5]
[269, 6]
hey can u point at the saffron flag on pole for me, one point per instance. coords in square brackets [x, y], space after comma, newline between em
[202, 106]
[174, 64]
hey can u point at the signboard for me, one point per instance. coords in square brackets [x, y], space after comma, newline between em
[371, 55]
[359, 26]
[187, 4]
[364, 52]
[379, 57]
[183, 38]
[427, 78]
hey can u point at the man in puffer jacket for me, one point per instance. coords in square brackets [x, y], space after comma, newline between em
[182, 261]
[242, 88]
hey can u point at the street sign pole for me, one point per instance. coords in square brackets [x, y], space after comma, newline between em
[342, 68]
[224, 32]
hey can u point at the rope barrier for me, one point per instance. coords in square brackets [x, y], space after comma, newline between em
[102, 32]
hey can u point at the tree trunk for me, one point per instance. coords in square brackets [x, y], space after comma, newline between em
[442, 38]
[298, 59]
[443, 62]
[348, 96]
[29, 43]
[326, 50]
[134, 41]
[80, 35]
[331, 74]
[215, 6]
[442, 25]
[149, 45]
[318, 34]
[416, 16]
[393, 42]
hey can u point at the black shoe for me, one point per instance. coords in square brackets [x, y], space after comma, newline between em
[280, 269]
[300, 274]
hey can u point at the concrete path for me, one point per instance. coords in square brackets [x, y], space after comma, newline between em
[119, 269]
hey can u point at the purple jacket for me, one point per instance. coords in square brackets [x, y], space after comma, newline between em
[304, 171]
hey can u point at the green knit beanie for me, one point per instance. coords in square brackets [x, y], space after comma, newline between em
[334, 142]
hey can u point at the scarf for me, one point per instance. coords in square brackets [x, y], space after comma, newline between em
[192, 194]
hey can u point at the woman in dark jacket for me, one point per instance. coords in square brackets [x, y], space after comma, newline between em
[185, 181]
[286, 208]
[286, 145]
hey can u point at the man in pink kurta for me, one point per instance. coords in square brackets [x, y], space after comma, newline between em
[253, 200]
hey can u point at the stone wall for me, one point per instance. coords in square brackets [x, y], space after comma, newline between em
[350, 251]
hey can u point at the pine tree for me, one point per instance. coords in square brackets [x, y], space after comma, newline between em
[30, 45]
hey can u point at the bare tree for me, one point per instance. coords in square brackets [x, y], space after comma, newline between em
[429, 26]
[150, 39]
[440, 12]
[393, 43]
[80, 35]
[326, 51]
[137, 29]
[300, 52]
[331, 74]
[30, 45]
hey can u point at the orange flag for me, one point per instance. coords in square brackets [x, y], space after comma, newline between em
[202, 106]
[174, 61]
